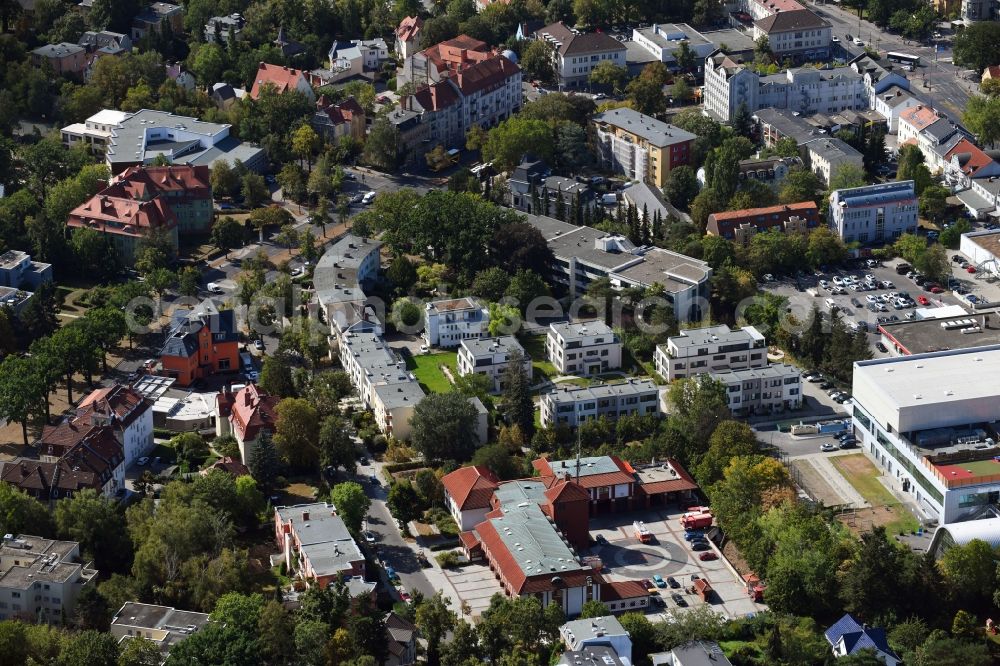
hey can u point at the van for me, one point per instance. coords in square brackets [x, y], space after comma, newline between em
[214, 288]
[368, 198]
[609, 199]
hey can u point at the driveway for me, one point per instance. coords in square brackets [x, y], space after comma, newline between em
[668, 554]
[475, 585]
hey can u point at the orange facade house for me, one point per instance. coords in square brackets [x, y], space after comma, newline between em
[202, 342]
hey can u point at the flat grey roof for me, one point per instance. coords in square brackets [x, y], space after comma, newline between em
[151, 616]
[485, 346]
[576, 394]
[570, 331]
[656, 132]
[322, 525]
[130, 133]
[332, 557]
[60, 50]
[930, 335]
[591, 655]
[400, 394]
[772, 371]
[577, 631]
[666, 35]
[512, 494]
[710, 335]
[936, 378]
[589, 465]
[335, 278]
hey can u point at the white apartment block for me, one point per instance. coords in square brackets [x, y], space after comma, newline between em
[827, 155]
[95, 131]
[575, 54]
[805, 90]
[709, 350]
[798, 34]
[874, 213]
[41, 579]
[163, 625]
[490, 357]
[762, 390]
[381, 378]
[929, 421]
[572, 406]
[448, 322]
[584, 349]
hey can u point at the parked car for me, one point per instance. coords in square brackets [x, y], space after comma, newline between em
[258, 344]
[848, 443]
[826, 447]
[405, 597]
[369, 537]
[957, 258]
[658, 581]
[672, 582]
[856, 303]
[923, 300]
[708, 556]
[814, 379]
[936, 289]
[825, 386]
[678, 599]
[600, 539]
[693, 535]
[700, 545]
[970, 269]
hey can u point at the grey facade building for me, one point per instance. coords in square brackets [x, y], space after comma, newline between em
[874, 213]
[573, 406]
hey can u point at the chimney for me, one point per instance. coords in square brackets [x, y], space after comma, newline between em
[305, 516]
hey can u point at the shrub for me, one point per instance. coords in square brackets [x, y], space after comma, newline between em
[447, 560]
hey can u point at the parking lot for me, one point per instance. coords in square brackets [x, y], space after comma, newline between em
[854, 300]
[666, 555]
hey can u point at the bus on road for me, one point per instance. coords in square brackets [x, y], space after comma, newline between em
[903, 58]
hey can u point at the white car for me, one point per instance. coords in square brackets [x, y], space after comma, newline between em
[858, 42]
[887, 285]
[424, 349]
[826, 447]
[839, 281]
[870, 278]
[824, 284]
[871, 298]
[768, 277]
[884, 298]
[835, 40]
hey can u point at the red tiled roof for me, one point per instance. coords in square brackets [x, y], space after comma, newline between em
[566, 491]
[124, 402]
[439, 96]
[622, 589]
[343, 112]
[453, 54]
[970, 157]
[471, 487]
[230, 465]
[803, 206]
[113, 211]
[470, 539]
[251, 411]
[919, 116]
[683, 482]
[145, 183]
[282, 78]
[486, 74]
[409, 27]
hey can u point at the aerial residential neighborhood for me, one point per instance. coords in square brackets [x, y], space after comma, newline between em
[493, 333]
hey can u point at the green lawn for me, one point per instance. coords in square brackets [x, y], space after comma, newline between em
[867, 484]
[534, 347]
[427, 369]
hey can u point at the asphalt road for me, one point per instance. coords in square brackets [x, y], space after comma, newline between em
[390, 546]
[936, 80]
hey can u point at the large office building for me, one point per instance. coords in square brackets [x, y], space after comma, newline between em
[134, 139]
[572, 406]
[874, 213]
[641, 147]
[584, 254]
[714, 349]
[929, 421]
[584, 348]
[805, 90]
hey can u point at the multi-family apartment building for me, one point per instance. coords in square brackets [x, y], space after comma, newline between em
[663, 40]
[358, 55]
[75, 456]
[965, 162]
[491, 357]
[224, 29]
[585, 348]
[874, 213]
[340, 277]
[584, 254]
[135, 139]
[18, 270]
[151, 20]
[450, 321]
[281, 79]
[532, 186]
[482, 93]
[576, 54]
[436, 63]
[827, 155]
[41, 579]
[641, 147]
[741, 226]
[764, 390]
[408, 36]
[165, 626]
[105, 42]
[145, 200]
[65, 58]
[798, 34]
[729, 84]
[713, 349]
[202, 341]
[335, 121]
[929, 421]
[245, 412]
[315, 541]
[572, 406]
[123, 409]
